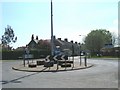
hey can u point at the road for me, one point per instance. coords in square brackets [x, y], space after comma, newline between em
[104, 74]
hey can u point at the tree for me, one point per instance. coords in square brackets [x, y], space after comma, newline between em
[8, 37]
[96, 39]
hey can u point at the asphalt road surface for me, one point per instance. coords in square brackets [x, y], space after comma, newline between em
[104, 74]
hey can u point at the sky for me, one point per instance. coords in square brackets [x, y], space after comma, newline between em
[71, 18]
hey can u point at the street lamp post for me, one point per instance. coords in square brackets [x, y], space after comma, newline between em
[52, 37]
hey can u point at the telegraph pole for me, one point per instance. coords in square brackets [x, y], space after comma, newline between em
[52, 37]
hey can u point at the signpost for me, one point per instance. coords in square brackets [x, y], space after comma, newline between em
[55, 58]
[85, 58]
[63, 58]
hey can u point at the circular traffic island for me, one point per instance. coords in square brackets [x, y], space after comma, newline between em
[50, 67]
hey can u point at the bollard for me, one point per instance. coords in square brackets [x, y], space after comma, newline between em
[57, 64]
[24, 60]
[65, 64]
[80, 59]
[85, 58]
[73, 61]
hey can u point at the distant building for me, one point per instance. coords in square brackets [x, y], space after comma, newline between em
[68, 47]
[20, 48]
[36, 44]
[64, 45]
[110, 50]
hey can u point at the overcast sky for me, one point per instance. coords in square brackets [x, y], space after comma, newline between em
[71, 18]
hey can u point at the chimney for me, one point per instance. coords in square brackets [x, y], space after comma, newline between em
[54, 37]
[66, 40]
[59, 39]
[75, 42]
[71, 41]
[36, 37]
[32, 38]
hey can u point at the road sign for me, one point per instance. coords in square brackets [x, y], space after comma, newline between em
[63, 57]
[47, 58]
[55, 57]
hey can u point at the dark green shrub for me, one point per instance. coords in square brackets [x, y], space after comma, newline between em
[11, 55]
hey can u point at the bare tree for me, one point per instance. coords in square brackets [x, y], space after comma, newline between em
[9, 36]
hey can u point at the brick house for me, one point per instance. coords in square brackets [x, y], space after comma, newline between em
[64, 45]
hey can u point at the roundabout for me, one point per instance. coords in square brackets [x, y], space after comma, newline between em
[33, 67]
[53, 65]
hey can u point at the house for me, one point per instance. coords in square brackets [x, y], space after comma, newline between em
[33, 43]
[65, 46]
[110, 50]
[36, 44]
[22, 48]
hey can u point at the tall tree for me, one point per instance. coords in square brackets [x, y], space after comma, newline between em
[9, 36]
[96, 39]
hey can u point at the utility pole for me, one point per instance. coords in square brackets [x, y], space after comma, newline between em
[52, 37]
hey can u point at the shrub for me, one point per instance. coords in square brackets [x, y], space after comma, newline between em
[13, 55]
[18, 54]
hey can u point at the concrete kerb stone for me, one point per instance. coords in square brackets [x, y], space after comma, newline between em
[41, 68]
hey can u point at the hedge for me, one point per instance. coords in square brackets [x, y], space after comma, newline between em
[13, 55]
